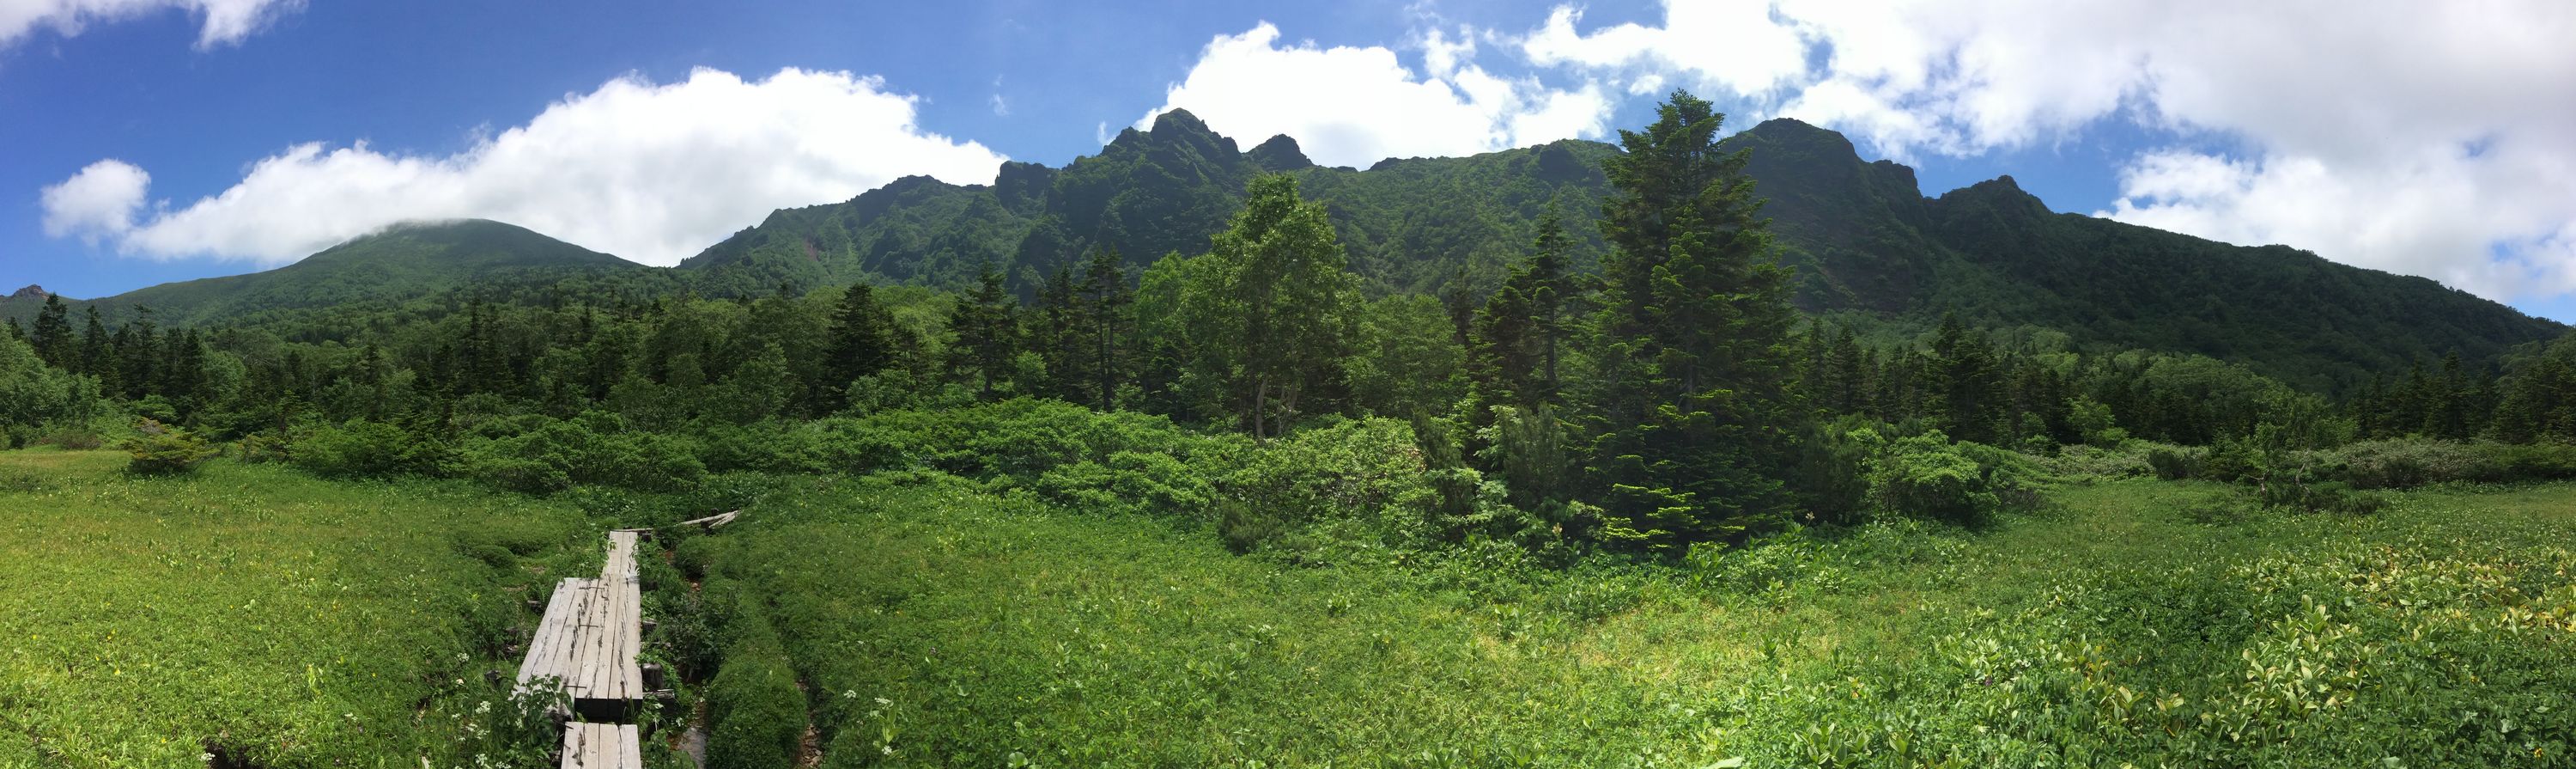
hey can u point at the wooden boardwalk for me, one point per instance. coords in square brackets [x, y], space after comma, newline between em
[601, 746]
[586, 643]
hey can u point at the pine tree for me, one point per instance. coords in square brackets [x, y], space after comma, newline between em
[1694, 407]
[52, 336]
[1105, 299]
[1054, 334]
[1968, 388]
[1520, 329]
[985, 327]
[95, 354]
[861, 343]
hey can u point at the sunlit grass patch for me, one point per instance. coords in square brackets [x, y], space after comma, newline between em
[250, 610]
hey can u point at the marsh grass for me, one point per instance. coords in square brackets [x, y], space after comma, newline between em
[937, 625]
[260, 615]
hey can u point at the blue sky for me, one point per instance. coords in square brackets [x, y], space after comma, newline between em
[155, 140]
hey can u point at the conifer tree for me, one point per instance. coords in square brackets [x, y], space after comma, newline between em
[52, 336]
[986, 331]
[861, 342]
[1104, 318]
[94, 351]
[1694, 409]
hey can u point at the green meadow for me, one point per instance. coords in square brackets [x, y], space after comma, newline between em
[257, 616]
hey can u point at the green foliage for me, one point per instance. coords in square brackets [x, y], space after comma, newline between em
[1263, 309]
[262, 614]
[34, 396]
[1693, 408]
[755, 713]
[2412, 462]
[364, 449]
[1405, 358]
[547, 455]
[158, 449]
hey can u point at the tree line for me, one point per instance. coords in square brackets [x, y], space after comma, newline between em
[1674, 397]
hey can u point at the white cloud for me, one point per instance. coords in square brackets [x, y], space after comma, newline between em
[224, 21]
[100, 200]
[2345, 122]
[650, 172]
[1735, 45]
[1355, 106]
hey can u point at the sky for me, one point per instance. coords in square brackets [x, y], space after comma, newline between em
[144, 141]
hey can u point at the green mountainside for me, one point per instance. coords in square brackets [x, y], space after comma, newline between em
[1861, 235]
[1167, 189]
[501, 262]
[1864, 237]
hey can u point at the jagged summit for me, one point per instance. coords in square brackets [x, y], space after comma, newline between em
[30, 292]
[1279, 154]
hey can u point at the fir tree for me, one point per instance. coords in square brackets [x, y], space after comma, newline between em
[861, 343]
[1694, 408]
[985, 328]
[1104, 320]
[52, 336]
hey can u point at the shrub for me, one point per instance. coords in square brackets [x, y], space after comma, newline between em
[755, 714]
[2172, 463]
[364, 449]
[595, 447]
[165, 450]
[1130, 481]
[1925, 476]
[76, 438]
[2410, 462]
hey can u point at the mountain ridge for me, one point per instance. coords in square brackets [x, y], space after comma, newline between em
[1862, 235]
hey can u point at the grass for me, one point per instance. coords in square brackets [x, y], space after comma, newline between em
[2135, 623]
[287, 621]
[257, 614]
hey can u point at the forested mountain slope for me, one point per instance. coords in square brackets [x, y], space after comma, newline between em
[501, 262]
[1861, 234]
[1407, 223]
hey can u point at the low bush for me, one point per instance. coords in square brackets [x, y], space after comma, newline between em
[2410, 462]
[594, 448]
[2173, 463]
[367, 449]
[1927, 476]
[75, 438]
[164, 450]
[755, 713]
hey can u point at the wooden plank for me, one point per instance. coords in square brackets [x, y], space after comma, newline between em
[630, 748]
[712, 521]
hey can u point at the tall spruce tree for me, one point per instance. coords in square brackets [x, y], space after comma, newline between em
[1520, 329]
[1103, 320]
[987, 331]
[52, 336]
[861, 343]
[1693, 411]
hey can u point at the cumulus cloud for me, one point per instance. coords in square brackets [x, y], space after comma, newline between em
[2430, 140]
[650, 172]
[100, 200]
[223, 21]
[1355, 106]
